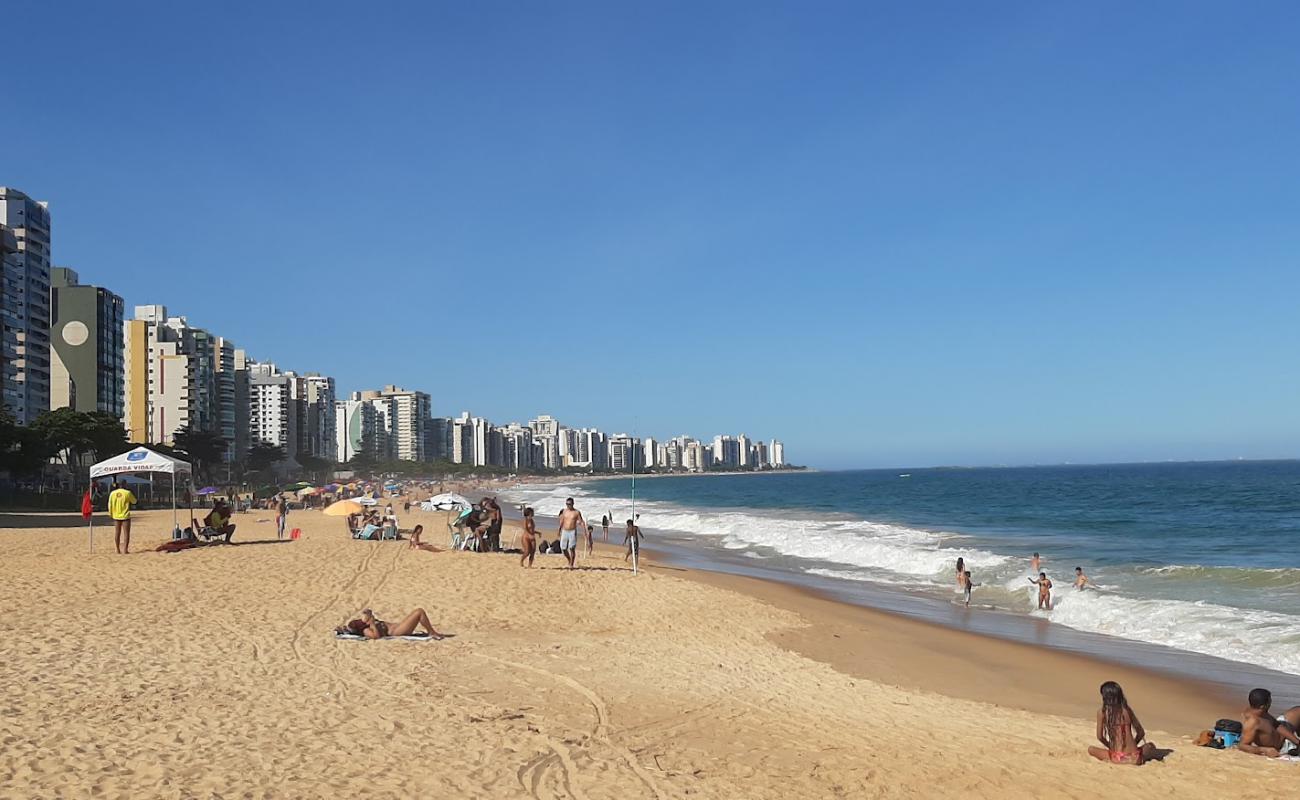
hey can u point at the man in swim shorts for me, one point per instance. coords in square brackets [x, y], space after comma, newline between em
[570, 520]
[1263, 735]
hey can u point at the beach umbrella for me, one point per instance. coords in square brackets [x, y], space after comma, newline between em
[310, 490]
[343, 508]
[331, 487]
[366, 501]
[206, 490]
[299, 485]
[446, 502]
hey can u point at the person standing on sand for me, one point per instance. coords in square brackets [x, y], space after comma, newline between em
[604, 528]
[591, 533]
[494, 525]
[633, 540]
[120, 501]
[528, 541]
[1044, 591]
[570, 519]
[281, 513]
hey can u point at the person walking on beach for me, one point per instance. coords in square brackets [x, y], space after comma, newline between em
[1119, 731]
[528, 541]
[570, 519]
[1044, 591]
[120, 501]
[633, 540]
[604, 528]
[281, 512]
[591, 534]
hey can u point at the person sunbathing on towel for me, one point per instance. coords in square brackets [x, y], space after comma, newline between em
[372, 628]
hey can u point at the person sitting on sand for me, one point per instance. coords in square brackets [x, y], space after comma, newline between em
[1044, 591]
[1082, 581]
[218, 519]
[1261, 734]
[1119, 730]
[528, 540]
[415, 537]
[633, 540]
[372, 628]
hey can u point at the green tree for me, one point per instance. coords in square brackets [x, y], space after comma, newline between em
[263, 455]
[315, 466]
[204, 448]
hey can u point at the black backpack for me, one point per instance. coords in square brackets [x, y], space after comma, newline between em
[1228, 726]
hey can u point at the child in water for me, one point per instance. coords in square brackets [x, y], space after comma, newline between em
[1044, 591]
[967, 585]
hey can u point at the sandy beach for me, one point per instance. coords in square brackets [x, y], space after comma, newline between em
[214, 673]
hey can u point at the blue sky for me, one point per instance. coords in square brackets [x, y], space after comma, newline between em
[889, 234]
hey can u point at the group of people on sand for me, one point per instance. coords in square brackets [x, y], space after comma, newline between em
[1123, 738]
[1081, 581]
[570, 523]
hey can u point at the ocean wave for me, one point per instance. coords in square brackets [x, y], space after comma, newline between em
[1265, 638]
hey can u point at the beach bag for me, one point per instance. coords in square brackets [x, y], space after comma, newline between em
[1227, 731]
[295, 533]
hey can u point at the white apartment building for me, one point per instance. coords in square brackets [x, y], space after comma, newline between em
[726, 452]
[744, 451]
[697, 457]
[318, 424]
[778, 454]
[354, 428]
[171, 378]
[24, 304]
[545, 425]
[517, 446]
[650, 451]
[273, 411]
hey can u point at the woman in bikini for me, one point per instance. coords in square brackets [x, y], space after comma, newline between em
[961, 572]
[1119, 730]
[529, 538]
[372, 628]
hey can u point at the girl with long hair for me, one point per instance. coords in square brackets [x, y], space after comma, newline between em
[1119, 730]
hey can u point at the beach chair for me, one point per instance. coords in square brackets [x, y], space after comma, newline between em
[389, 531]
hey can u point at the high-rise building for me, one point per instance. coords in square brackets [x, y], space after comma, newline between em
[517, 441]
[85, 345]
[778, 454]
[625, 453]
[726, 452]
[697, 457]
[462, 439]
[231, 376]
[170, 377]
[545, 425]
[402, 424]
[319, 438]
[761, 459]
[440, 446]
[354, 428]
[25, 304]
[651, 452]
[273, 409]
[744, 452]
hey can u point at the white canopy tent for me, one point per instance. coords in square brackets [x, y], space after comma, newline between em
[142, 459]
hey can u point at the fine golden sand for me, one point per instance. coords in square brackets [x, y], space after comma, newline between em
[214, 673]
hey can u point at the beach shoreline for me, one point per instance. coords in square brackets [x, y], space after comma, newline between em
[213, 671]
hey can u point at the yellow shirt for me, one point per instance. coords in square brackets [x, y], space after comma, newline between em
[119, 503]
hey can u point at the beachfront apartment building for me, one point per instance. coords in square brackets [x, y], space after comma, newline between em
[545, 425]
[170, 375]
[25, 304]
[231, 375]
[649, 448]
[462, 439]
[777, 454]
[625, 453]
[85, 345]
[402, 422]
[726, 452]
[517, 446]
[318, 398]
[355, 421]
[697, 457]
[273, 408]
[744, 452]
[439, 446]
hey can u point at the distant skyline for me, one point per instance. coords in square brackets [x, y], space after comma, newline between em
[887, 235]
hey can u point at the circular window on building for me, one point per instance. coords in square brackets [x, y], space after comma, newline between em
[75, 333]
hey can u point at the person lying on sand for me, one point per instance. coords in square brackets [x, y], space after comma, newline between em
[1263, 735]
[1119, 730]
[372, 628]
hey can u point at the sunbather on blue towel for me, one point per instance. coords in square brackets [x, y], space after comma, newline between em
[372, 628]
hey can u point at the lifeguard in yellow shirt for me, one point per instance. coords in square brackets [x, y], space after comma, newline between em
[120, 501]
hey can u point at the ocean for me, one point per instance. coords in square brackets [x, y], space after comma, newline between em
[1200, 558]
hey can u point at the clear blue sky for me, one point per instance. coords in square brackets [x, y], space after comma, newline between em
[889, 234]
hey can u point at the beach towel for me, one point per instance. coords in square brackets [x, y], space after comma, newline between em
[356, 637]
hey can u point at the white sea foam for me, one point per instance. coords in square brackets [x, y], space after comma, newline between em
[923, 560]
[1257, 637]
